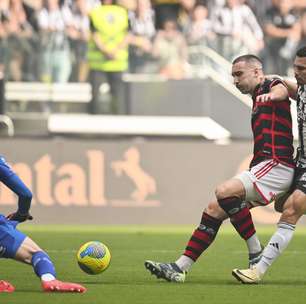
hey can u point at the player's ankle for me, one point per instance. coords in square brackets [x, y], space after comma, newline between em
[47, 277]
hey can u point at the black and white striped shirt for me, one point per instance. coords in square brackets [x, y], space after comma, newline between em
[301, 117]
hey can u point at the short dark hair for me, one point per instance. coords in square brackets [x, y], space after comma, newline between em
[301, 52]
[249, 58]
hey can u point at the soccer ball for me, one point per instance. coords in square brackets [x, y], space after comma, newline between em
[93, 257]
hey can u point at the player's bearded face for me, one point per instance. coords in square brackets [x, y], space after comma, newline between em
[244, 77]
[299, 67]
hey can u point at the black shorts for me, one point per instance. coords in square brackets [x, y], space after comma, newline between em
[299, 180]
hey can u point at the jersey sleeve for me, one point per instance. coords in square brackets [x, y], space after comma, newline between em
[276, 81]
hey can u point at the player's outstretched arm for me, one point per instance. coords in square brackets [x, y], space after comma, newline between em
[291, 85]
[278, 93]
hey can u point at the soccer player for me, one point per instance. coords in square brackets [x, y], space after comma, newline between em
[16, 245]
[270, 174]
[295, 206]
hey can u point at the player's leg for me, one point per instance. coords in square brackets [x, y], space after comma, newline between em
[8, 247]
[29, 252]
[293, 209]
[16, 245]
[264, 182]
[230, 203]
[200, 240]
[230, 198]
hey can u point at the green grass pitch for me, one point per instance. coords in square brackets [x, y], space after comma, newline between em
[126, 280]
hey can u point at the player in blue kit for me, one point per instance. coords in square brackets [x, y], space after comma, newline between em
[16, 245]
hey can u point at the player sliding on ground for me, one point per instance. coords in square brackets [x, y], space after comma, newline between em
[270, 174]
[15, 245]
[295, 205]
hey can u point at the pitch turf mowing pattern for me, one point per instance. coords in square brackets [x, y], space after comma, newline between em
[126, 281]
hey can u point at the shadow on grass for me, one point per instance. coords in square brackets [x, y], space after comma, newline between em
[201, 282]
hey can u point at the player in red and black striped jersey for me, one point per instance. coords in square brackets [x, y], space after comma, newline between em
[295, 205]
[271, 126]
[269, 176]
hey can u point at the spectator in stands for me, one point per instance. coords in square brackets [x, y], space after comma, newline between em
[142, 28]
[199, 30]
[259, 8]
[31, 62]
[19, 34]
[302, 23]
[164, 10]
[4, 7]
[3, 53]
[55, 25]
[130, 5]
[170, 48]
[237, 30]
[185, 12]
[299, 4]
[282, 35]
[79, 39]
[90, 4]
[107, 55]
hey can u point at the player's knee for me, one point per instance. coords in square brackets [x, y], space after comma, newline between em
[26, 251]
[222, 191]
[29, 255]
[213, 209]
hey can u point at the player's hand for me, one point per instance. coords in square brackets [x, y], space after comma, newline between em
[264, 98]
[16, 216]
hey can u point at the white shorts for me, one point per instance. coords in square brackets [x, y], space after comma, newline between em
[266, 181]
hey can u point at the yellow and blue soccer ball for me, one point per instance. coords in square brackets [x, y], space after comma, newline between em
[93, 257]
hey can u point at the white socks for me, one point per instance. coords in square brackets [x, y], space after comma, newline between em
[184, 263]
[278, 242]
[253, 244]
[47, 277]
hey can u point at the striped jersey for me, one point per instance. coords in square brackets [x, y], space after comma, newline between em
[301, 117]
[272, 127]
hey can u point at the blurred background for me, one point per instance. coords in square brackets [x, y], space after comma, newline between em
[125, 110]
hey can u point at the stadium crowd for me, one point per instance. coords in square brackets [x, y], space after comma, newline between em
[47, 40]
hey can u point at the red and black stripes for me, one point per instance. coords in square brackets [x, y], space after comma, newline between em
[203, 236]
[272, 127]
[239, 215]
